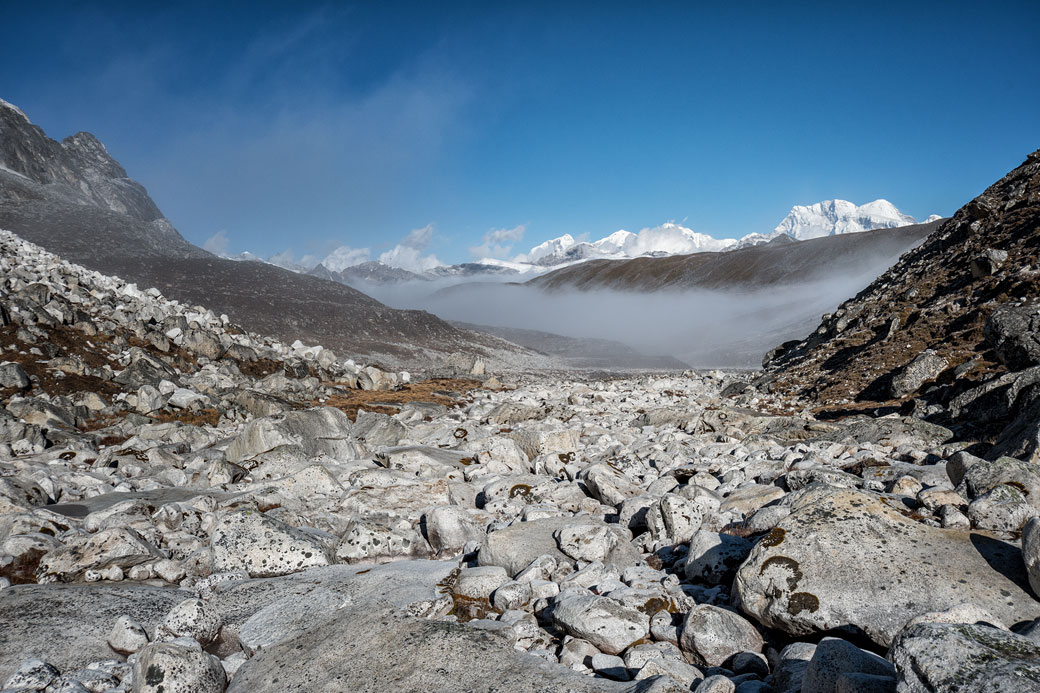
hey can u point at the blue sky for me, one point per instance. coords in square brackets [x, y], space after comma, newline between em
[336, 124]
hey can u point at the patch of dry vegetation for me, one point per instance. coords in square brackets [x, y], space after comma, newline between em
[447, 391]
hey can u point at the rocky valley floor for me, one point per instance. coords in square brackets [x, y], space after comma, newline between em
[185, 506]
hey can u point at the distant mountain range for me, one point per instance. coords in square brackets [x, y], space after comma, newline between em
[827, 218]
[780, 261]
[74, 199]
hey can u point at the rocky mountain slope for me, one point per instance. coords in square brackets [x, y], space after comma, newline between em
[949, 331]
[185, 506]
[781, 261]
[73, 198]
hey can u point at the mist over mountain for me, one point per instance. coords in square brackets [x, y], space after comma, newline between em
[704, 309]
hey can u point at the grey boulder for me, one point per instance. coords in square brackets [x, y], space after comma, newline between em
[384, 650]
[713, 558]
[925, 366]
[263, 546]
[13, 375]
[168, 667]
[1031, 552]
[1014, 333]
[835, 663]
[711, 635]
[824, 568]
[602, 621]
[966, 658]
[69, 625]
[514, 547]
[313, 432]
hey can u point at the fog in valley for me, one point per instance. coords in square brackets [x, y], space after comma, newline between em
[702, 328]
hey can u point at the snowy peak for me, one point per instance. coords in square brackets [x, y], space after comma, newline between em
[673, 239]
[555, 247]
[832, 217]
[667, 239]
[617, 242]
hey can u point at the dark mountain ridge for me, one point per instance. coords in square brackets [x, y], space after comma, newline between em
[74, 199]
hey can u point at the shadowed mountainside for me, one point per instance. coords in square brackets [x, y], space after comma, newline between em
[74, 199]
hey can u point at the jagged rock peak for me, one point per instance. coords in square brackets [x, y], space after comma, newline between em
[12, 107]
[93, 151]
[78, 170]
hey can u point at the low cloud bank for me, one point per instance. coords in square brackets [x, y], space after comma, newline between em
[702, 328]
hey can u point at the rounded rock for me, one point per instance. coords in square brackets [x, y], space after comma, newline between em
[176, 668]
[192, 618]
[127, 635]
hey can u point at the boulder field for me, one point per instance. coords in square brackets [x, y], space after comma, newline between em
[187, 507]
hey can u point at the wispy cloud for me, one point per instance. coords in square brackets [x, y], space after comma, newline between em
[498, 242]
[292, 146]
[346, 256]
[287, 258]
[419, 239]
[408, 254]
[218, 243]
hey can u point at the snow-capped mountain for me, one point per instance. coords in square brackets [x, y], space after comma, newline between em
[555, 247]
[833, 217]
[666, 239]
[826, 218]
[803, 222]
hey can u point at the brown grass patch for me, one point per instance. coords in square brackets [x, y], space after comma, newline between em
[261, 368]
[203, 417]
[447, 391]
[70, 343]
